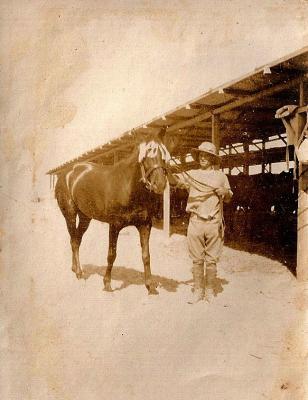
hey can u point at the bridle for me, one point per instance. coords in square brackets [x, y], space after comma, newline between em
[150, 150]
[145, 175]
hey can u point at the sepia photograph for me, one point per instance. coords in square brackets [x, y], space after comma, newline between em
[154, 200]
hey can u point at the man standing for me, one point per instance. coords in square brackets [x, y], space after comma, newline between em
[208, 188]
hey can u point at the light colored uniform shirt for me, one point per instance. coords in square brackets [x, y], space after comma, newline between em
[202, 200]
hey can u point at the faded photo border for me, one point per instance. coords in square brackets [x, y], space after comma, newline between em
[76, 75]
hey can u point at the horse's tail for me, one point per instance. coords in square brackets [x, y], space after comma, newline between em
[60, 186]
[52, 181]
[63, 196]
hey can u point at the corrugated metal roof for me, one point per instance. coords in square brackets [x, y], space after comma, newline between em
[244, 105]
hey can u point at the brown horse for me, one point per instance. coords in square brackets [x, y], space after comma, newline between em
[126, 193]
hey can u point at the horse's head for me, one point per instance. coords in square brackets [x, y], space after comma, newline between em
[153, 159]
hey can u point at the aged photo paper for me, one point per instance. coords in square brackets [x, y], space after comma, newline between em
[82, 75]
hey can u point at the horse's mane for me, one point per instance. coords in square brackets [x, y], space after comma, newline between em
[135, 151]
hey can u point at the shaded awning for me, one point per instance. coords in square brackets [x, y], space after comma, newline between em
[245, 109]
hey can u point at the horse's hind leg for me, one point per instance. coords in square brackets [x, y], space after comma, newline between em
[112, 253]
[76, 234]
[70, 212]
[76, 237]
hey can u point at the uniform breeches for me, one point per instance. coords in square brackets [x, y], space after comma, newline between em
[205, 240]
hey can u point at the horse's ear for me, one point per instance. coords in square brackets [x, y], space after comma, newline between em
[171, 141]
[138, 136]
[161, 134]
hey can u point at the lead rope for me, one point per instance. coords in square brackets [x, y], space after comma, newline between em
[191, 178]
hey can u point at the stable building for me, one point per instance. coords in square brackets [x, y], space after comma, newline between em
[241, 119]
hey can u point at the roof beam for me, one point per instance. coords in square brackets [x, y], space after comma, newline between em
[275, 154]
[267, 103]
[203, 125]
[97, 153]
[238, 92]
[233, 137]
[238, 103]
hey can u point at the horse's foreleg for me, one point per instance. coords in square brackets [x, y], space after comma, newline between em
[144, 232]
[112, 253]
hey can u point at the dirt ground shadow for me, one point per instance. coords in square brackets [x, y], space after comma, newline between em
[274, 251]
[130, 276]
[267, 247]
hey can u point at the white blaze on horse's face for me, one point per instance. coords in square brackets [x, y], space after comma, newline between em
[154, 156]
[151, 149]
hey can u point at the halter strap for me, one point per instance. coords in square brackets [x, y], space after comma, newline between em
[146, 174]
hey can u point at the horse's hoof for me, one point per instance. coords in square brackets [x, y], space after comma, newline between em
[107, 285]
[78, 275]
[153, 291]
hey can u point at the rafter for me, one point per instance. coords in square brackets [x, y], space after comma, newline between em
[238, 103]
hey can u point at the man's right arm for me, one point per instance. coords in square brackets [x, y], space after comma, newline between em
[178, 180]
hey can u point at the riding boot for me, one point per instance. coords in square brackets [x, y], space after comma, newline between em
[212, 283]
[199, 283]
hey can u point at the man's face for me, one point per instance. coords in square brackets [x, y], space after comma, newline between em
[205, 161]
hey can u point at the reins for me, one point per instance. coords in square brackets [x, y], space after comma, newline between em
[202, 184]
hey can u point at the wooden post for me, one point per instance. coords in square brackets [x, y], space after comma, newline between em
[216, 134]
[302, 211]
[302, 224]
[263, 155]
[166, 210]
[301, 94]
[216, 131]
[246, 156]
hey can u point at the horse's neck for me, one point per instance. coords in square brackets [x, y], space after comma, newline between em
[127, 172]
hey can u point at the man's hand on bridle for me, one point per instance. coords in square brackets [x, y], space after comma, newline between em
[173, 180]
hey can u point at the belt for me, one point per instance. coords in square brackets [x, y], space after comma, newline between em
[198, 217]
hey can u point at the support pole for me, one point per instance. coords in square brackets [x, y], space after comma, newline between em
[263, 155]
[302, 211]
[302, 224]
[166, 210]
[216, 131]
[216, 134]
[246, 158]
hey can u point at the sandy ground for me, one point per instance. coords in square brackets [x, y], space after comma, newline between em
[69, 340]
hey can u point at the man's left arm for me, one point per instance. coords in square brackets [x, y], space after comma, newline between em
[225, 191]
